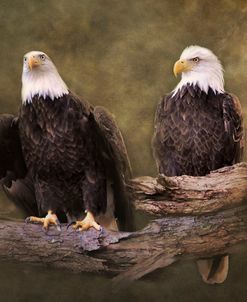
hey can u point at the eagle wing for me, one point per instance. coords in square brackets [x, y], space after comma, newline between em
[233, 121]
[117, 163]
[13, 172]
[114, 138]
[12, 165]
[160, 135]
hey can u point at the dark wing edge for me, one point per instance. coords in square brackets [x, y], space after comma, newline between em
[234, 126]
[22, 194]
[13, 172]
[12, 165]
[159, 135]
[117, 164]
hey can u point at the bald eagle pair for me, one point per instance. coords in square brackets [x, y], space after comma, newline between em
[68, 157]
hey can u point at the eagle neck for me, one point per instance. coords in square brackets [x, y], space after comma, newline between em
[41, 84]
[195, 92]
[206, 79]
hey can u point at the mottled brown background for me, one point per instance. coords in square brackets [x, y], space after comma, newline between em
[120, 53]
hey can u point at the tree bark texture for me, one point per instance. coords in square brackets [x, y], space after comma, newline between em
[198, 217]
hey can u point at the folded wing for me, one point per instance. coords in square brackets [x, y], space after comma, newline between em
[116, 162]
[14, 180]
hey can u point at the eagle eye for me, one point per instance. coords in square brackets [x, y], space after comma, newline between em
[42, 57]
[25, 59]
[196, 59]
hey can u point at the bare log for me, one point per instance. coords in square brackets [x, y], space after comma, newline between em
[195, 231]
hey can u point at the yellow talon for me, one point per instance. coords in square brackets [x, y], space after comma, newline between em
[87, 223]
[49, 219]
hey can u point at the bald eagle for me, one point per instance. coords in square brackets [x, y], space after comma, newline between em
[61, 157]
[199, 128]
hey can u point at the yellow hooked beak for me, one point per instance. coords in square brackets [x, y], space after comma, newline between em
[181, 66]
[33, 62]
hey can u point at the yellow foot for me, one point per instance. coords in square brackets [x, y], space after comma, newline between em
[49, 219]
[87, 223]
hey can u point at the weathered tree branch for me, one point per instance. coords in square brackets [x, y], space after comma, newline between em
[203, 216]
[187, 195]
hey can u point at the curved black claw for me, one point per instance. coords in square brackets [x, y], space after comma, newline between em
[70, 224]
[101, 231]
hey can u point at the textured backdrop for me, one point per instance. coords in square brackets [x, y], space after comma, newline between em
[120, 53]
